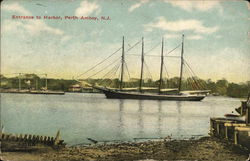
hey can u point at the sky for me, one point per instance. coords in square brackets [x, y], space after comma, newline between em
[216, 42]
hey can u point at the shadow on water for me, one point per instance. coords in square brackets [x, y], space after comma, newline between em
[179, 117]
[140, 118]
[161, 129]
[120, 133]
[159, 121]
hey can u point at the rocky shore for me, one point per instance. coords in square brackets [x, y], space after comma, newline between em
[206, 148]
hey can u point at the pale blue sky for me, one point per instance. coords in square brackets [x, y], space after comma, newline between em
[216, 36]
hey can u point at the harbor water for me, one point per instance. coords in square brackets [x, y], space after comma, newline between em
[83, 115]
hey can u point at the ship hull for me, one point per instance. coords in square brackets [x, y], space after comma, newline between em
[111, 94]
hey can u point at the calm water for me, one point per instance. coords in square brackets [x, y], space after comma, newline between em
[81, 116]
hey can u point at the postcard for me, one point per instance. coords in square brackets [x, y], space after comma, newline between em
[125, 80]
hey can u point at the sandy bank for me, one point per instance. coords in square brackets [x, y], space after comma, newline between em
[206, 148]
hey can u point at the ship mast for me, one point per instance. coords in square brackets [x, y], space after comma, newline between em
[122, 69]
[142, 61]
[182, 60]
[162, 61]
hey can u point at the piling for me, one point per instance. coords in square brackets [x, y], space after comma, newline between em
[235, 129]
[248, 114]
[243, 136]
[20, 142]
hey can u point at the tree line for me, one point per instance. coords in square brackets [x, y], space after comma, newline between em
[219, 87]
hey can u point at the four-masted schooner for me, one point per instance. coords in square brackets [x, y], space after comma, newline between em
[179, 96]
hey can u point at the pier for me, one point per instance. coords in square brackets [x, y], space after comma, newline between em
[29, 142]
[233, 128]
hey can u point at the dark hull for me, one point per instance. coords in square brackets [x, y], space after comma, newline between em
[124, 95]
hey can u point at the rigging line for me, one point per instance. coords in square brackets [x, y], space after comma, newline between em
[166, 70]
[189, 67]
[148, 69]
[191, 84]
[196, 83]
[99, 63]
[189, 81]
[109, 72]
[199, 84]
[112, 70]
[192, 81]
[104, 68]
[115, 73]
[110, 80]
[174, 49]
[173, 56]
[202, 85]
[168, 53]
[164, 56]
[155, 56]
[127, 69]
[133, 46]
[152, 48]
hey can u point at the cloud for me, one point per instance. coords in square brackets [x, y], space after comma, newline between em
[194, 37]
[219, 64]
[137, 5]
[32, 26]
[198, 5]
[172, 36]
[181, 25]
[86, 8]
[15, 7]
[66, 38]
[218, 36]
[184, 4]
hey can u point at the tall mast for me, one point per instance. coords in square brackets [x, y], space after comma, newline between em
[142, 61]
[162, 61]
[122, 70]
[182, 61]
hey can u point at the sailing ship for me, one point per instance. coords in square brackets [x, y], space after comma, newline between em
[178, 96]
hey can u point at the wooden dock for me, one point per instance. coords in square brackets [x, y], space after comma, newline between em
[28, 142]
[233, 129]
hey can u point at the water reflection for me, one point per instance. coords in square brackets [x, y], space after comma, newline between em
[142, 115]
[179, 117]
[120, 132]
[159, 122]
[140, 118]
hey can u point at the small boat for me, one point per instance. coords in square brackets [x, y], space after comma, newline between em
[177, 96]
